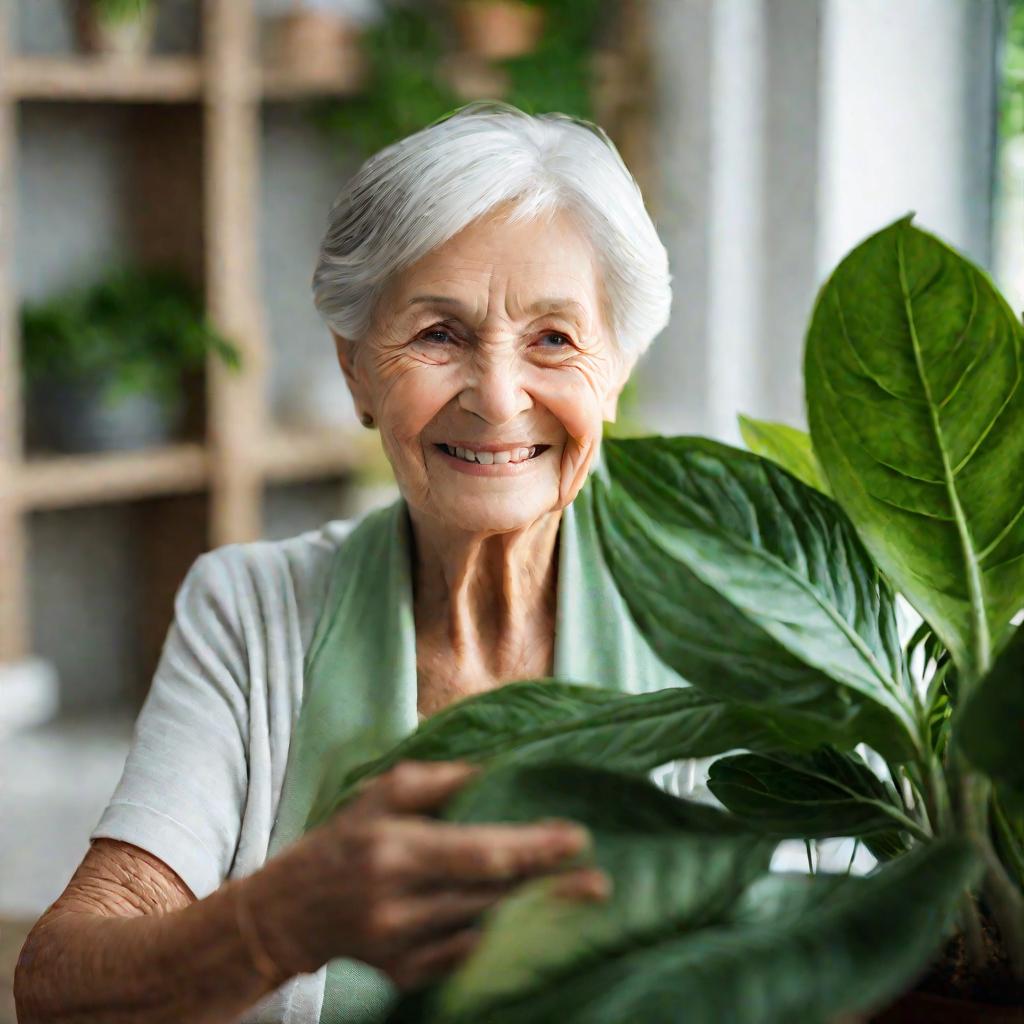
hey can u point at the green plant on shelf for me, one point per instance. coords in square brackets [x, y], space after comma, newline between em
[139, 330]
[405, 89]
[113, 12]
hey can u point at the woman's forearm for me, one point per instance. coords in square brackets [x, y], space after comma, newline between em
[191, 964]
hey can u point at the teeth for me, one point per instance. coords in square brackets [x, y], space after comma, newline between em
[490, 458]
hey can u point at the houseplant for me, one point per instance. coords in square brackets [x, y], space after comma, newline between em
[104, 363]
[777, 601]
[410, 79]
[120, 29]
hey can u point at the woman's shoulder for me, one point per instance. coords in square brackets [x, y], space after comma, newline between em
[265, 584]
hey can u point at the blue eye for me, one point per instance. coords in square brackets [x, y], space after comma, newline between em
[565, 342]
[428, 335]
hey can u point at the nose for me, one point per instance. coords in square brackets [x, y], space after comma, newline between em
[494, 391]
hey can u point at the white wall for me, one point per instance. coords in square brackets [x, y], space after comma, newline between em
[789, 130]
[907, 117]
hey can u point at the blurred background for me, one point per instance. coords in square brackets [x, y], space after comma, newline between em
[166, 167]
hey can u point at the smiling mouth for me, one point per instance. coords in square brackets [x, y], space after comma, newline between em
[512, 455]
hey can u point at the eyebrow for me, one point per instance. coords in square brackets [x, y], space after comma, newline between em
[544, 305]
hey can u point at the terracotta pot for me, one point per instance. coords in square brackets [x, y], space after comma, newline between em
[313, 44]
[497, 29]
[125, 39]
[471, 77]
[925, 1008]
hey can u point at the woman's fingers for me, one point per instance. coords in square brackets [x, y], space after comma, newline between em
[587, 885]
[413, 787]
[433, 960]
[422, 916]
[440, 851]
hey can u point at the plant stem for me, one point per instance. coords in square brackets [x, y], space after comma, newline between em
[970, 922]
[968, 789]
[1007, 908]
[936, 793]
[1005, 901]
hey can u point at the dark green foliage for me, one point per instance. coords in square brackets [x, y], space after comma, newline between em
[137, 329]
[406, 89]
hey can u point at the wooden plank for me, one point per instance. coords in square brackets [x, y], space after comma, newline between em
[282, 84]
[13, 592]
[296, 456]
[157, 80]
[235, 402]
[173, 533]
[63, 481]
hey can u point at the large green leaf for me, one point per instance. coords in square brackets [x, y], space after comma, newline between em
[755, 587]
[796, 948]
[989, 724]
[674, 865]
[785, 445]
[916, 410]
[531, 721]
[825, 793]
[475, 728]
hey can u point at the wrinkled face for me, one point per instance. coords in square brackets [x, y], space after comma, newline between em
[489, 371]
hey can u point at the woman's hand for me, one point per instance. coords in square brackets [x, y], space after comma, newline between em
[383, 883]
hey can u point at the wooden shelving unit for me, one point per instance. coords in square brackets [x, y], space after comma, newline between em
[242, 451]
[201, 150]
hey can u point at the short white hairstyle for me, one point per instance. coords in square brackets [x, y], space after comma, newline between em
[416, 194]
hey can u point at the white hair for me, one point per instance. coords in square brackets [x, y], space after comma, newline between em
[414, 195]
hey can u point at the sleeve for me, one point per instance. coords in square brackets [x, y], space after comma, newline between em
[183, 790]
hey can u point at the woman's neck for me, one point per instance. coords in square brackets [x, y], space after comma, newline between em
[490, 596]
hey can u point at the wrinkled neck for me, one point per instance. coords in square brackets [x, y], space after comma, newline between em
[479, 588]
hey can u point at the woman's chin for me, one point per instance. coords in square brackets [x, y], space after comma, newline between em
[496, 513]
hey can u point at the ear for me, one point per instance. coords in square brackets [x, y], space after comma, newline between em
[350, 367]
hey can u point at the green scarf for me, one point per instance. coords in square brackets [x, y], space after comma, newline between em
[360, 692]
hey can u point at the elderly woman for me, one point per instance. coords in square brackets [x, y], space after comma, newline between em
[489, 283]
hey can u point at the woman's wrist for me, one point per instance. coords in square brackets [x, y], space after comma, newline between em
[273, 972]
[273, 921]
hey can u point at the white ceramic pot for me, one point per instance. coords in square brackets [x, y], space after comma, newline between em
[124, 39]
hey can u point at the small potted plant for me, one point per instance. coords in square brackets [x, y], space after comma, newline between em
[105, 363]
[498, 29]
[118, 29]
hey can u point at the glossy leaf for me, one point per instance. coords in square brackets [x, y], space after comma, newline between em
[916, 411]
[795, 947]
[476, 728]
[814, 796]
[755, 587]
[674, 865]
[533, 721]
[989, 725]
[787, 447]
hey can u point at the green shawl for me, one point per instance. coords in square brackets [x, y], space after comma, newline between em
[360, 690]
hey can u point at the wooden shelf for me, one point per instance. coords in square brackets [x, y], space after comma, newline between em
[293, 455]
[157, 80]
[64, 481]
[203, 165]
[279, 84]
